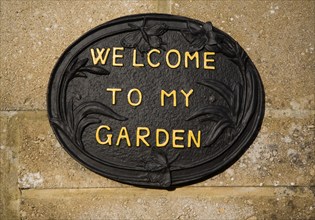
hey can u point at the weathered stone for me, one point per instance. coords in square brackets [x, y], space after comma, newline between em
[35, 33]
[44, 163]
[282, 155]
[10, 195]
[279, 38]
[185, 203]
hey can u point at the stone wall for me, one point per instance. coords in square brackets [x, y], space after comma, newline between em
[273, 180]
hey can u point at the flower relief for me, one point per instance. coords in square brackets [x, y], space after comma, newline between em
[200, 37]
[145, 37]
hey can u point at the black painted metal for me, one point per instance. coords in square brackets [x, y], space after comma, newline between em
[227, 104]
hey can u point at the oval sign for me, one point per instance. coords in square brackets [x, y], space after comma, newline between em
[155, 100]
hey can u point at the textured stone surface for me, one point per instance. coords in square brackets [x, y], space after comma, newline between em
[10, 195]
[35, 33]
[186, 203]
[273, 180]
[43, 162]
[277, 35]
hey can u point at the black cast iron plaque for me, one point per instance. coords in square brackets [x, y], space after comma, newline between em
[155, 100]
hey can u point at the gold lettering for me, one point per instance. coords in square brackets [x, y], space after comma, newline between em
[149, 58]
[139, 99]
[163, 93]
[99, 55]
[115, 56]
[168, 58]
[207, 60]
[193, 138]
[187, 96]
[157, 137]
[123, 134]
[191, 57]
[175, 138]
[142, 137]
[109, 136]
[134, 60]
[114, 90]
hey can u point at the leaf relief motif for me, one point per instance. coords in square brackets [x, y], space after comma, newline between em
[72, 121]
[224, 117]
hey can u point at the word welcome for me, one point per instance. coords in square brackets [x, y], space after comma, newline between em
[173, 58]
